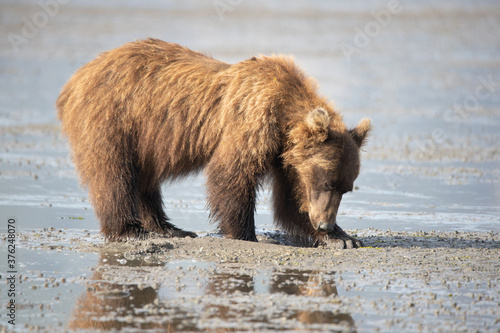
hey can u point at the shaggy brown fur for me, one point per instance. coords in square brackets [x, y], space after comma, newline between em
[152, 111]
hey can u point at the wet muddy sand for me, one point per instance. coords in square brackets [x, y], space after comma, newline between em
[401, 281]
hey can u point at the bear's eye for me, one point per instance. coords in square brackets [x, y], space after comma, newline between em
[329, 186]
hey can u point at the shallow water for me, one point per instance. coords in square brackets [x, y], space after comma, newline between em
[428, 79]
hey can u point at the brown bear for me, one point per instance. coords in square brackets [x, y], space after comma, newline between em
[152, 111]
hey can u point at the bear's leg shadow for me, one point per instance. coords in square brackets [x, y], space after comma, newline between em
[231, 199]
[153, 216]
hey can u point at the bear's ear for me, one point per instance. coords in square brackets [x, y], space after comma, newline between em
[318, 124]
[360, 132]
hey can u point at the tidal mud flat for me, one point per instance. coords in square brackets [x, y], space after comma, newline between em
[426, 203]
[401, 281]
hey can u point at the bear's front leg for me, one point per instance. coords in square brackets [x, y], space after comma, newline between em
[231, 196]
[338, 238]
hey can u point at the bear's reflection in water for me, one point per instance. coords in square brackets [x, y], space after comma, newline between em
[221, 298]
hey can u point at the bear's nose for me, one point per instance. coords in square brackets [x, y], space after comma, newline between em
[323, 226]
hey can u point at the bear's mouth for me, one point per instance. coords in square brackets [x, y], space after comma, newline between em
[325, 227]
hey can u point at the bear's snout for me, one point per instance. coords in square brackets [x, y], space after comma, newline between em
[326, 227]
[323, 209]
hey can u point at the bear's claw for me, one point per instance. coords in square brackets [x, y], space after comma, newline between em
[142, 234]
[339, 239]
[183, 234]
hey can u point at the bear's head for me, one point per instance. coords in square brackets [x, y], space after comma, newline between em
[324, 163]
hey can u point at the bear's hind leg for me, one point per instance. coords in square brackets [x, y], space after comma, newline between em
[115, 206]
[154, 218]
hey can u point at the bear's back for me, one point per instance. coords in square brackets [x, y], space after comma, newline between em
[137, 69]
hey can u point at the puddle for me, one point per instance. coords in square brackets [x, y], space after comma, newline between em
[194, 295]
[62, 288]
[47, 286]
